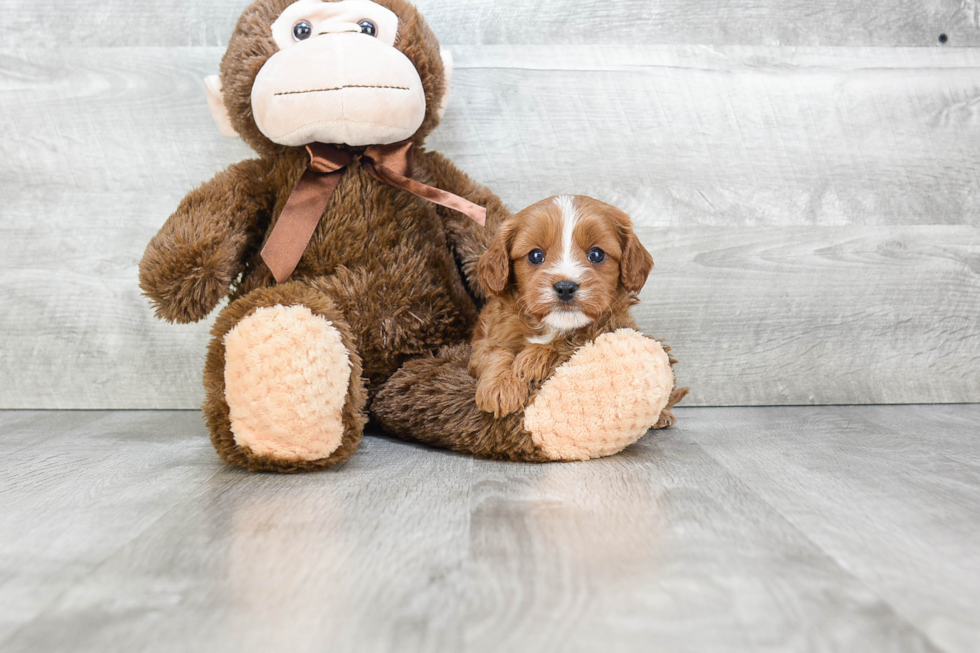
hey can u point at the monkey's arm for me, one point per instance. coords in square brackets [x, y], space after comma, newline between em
[199, 252]
[468, 239]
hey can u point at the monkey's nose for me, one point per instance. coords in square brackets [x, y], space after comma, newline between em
[338, 28]
[565, 290]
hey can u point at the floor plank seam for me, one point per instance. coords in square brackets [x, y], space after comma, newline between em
[902, 617]
[108, 558]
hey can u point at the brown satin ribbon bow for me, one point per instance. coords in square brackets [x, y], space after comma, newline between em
[391, 164]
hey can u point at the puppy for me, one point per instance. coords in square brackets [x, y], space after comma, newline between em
[559, 273]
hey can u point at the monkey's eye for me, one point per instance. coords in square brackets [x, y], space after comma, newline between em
[536, 257]
[596, 255]
[369, 28]
[302, 30]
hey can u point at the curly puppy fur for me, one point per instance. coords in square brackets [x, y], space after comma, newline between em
[529, 327]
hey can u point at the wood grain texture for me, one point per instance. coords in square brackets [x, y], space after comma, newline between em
[768, 183]
[676, 135]
[756, 316]
[745, 529]
[76, 487]
[818, 315]
[684, 559]
[725, 136]
[919, 510]
[741, 22]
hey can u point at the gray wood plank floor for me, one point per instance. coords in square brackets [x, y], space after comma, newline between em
[782, 529]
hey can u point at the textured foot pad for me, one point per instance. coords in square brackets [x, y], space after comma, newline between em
[603, 399]
[286, 379]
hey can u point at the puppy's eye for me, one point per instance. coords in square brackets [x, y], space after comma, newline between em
[302, 30]
[536, 257]
[369, 28]
[596, 255]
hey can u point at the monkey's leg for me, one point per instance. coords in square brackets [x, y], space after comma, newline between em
[605, 398]
[667, 418]
[433, 400]
[283, 381]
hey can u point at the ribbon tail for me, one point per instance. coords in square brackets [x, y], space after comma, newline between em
[475, 212]
[299, 219]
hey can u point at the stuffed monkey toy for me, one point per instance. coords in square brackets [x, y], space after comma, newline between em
[349, 256]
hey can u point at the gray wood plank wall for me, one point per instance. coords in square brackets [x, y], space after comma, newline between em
[806, 181]
[519, 22]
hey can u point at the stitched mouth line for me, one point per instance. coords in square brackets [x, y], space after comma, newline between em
[340, 88]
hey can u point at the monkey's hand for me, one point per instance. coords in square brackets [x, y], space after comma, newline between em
[501, 394]
[185, 276]
[191, 263]
[535, 363]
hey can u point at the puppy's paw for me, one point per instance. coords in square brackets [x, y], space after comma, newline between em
[501, 395]
[534, 364]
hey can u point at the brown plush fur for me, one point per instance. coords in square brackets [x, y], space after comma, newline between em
[318, 300]
[396, 275]
[378, 264]
[432, 399]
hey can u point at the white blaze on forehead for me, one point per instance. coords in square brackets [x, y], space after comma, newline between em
[327, 17]
[566, 266]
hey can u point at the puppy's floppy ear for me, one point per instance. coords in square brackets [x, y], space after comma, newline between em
[636, 263]
[493, 270]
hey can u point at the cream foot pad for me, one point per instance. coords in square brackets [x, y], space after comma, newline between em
[603, 399]
[286, 379]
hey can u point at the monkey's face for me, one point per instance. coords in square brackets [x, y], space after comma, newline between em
[349, 72]
[337, 78]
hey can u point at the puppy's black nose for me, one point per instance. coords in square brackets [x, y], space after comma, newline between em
[566, 290]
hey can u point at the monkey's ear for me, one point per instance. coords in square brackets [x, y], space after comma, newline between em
[216, 103]
[448, 67]
[493, 270]
[636, 263]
